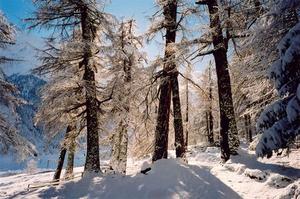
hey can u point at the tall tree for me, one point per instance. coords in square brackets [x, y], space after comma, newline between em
[228, 129]
[85, 17]
[126, 62]
[208, 104]
[169, 86]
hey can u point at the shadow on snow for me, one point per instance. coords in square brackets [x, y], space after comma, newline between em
[167, 179]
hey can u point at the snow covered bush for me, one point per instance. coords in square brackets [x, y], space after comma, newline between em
[291, 192]
[279, 181]
[256, 174]
[280, 122]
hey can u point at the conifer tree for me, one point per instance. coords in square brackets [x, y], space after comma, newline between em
[279, 122]
[169, 87]
[126, 62]
[64, 18]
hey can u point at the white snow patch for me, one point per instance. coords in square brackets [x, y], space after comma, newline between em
[278, 181]
[204, 177]
[291, 192]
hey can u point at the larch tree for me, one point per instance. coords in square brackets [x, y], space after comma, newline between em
[125, 64]
[208, 105]
[229, 21]
[62, 154]
[61, 108]
[166, 19]
[64, 17]
[229, 141]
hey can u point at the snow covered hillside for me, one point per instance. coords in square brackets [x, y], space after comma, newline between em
[29, 87]
[204, 177]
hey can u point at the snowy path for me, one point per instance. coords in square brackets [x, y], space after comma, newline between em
[242, 177]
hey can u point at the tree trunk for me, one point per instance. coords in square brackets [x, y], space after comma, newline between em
[187, 116]
[162, 125]
[248, 129]
[118, 161]
[70, 162]
[207, 128]
[92, 163]
[62, 155]
[228, 129]
[60, 163]
[123, 150]
[120, 146]
[178, 127]
[210, 115]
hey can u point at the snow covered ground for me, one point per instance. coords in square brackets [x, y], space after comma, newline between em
[204, 177]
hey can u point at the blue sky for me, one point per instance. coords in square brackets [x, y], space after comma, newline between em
[17, 10]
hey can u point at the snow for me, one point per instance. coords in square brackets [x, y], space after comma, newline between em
[279, 181]
[256, 174]
[293, 109]
[291, 192]
[243, 176]
[278, 123]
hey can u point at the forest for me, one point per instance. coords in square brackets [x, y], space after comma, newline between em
[150, 99]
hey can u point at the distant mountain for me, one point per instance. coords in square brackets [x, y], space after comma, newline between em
[29, 87]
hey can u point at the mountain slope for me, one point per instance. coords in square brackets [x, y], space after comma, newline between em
[29, 87]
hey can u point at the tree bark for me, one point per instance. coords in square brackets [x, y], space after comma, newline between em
[162, 125]
[210, 115]
[228, 129]
[118, 162]
[178, 127]
[62, 155]
[92, 163]
[207, 127]
[70, 158]
[60, 163]
[187, 116]
[248, 129]
[120, 145]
